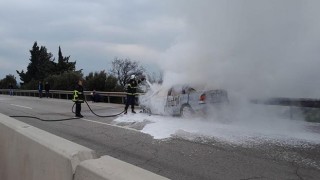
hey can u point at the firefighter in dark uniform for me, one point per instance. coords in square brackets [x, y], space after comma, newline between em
[131, 92]
[78, 98]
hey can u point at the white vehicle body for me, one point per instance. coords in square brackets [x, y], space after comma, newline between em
[182, 101]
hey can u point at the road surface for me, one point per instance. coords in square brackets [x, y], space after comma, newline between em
[175, 158]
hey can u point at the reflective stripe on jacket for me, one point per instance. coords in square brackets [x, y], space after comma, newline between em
[78, 95]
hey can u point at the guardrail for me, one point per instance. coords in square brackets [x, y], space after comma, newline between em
[109, 97]
[309, 108]
[296, 102]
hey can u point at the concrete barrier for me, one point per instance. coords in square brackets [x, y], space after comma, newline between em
[109, 168]
[29, 153]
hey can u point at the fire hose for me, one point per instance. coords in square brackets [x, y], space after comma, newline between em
[72, 118]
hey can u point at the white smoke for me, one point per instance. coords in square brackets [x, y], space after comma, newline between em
[251, 48]
[265, 48]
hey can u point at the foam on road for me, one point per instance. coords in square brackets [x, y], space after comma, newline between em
[240, 129]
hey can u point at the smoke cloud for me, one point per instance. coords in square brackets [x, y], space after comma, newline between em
[253, 49]
[265, 48]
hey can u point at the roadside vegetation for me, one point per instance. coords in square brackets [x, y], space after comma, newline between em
[62, 74]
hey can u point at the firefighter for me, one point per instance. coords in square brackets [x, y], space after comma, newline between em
[131, 92]
[78, 98]
[47, 89]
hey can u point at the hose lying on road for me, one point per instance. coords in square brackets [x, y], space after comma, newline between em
[67, 119]
[101, 115]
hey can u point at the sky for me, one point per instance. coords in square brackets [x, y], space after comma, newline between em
[262, 48]
[92, 32]
[251, 48]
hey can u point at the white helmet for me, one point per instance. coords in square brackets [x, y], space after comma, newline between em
[133, 76]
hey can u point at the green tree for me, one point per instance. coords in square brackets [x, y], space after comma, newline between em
[112, 84]
[41, 65]
[122, 69]
[64, 81]
[101, 81]
[46, 65]
[63, 64]
[96, 81]
[33, 84]
[9, 79]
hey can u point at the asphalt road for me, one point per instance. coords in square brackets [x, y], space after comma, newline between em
[174, 158]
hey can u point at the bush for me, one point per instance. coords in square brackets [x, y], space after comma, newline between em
[64, 81]
[31, 85]
[9, 79]
[100, 81]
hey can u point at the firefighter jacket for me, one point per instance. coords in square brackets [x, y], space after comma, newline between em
[132, 87]
[78, 95]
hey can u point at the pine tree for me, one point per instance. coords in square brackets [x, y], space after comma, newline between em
[31, 69]
[63, 64]
[40, 66]
[46, 65]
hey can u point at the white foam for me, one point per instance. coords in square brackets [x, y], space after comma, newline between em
[237, 128]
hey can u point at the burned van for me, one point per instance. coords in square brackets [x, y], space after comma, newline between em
[185, 101]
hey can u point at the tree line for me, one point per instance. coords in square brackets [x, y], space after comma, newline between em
[62, 75]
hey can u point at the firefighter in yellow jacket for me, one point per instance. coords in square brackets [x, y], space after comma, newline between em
[78, 98]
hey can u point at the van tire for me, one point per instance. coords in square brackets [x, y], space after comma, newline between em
[186, 111]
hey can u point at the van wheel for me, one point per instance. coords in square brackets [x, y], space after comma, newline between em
[186, 111]
[147, 111]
